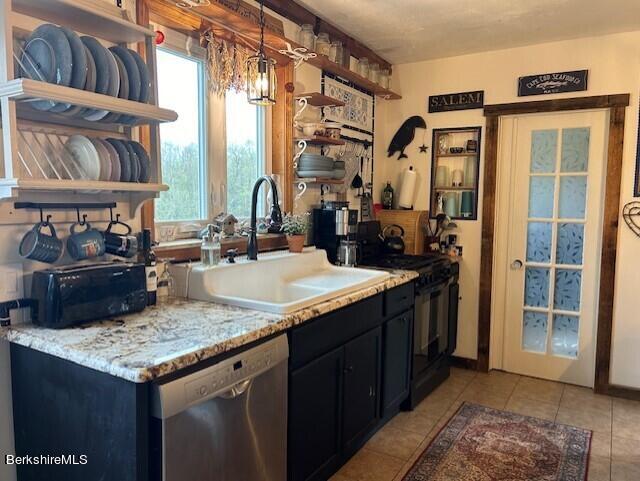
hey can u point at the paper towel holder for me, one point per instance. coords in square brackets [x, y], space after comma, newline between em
[407, 189]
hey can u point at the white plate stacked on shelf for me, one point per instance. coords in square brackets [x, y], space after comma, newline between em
[58, 55]
[109, 160]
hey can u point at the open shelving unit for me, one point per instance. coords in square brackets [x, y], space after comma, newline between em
[323, 63]
[318, 180]
[87, 16]
[316, 99]
[457, 198]
[319, 140]
[111, 25]
[23, 89]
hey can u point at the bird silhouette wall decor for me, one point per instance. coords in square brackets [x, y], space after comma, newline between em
[405, 135]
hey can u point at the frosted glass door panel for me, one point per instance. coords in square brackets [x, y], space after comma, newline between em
[544, 147]
[575, 150]
[539, 242]
[541, 195]
[534, 332]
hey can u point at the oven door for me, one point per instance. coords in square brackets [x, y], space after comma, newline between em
[431, 325]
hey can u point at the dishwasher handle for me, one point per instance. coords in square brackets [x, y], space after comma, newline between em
[237, 390]
[228, 379]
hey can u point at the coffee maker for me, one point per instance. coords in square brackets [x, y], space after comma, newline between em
[334, 223]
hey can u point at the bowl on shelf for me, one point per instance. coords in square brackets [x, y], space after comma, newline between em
[308, 128]
[456, 150]
[333, 130]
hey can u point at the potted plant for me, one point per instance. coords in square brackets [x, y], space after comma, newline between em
[295, 226]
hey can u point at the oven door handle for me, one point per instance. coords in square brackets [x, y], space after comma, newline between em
[440, 286]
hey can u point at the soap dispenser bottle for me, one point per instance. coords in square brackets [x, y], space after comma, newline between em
[210, 250]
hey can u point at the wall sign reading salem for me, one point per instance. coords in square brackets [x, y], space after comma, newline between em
[553, 83]
[457, 101]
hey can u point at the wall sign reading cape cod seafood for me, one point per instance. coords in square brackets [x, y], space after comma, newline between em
[552, 83]
[457, 101]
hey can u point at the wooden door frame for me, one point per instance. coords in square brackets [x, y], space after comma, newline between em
[616, 105]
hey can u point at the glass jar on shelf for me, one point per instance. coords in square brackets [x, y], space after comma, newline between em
[336, 52]
[383, 78]
[306, 37]
[374, 72]
[323, 44]
[363, 67]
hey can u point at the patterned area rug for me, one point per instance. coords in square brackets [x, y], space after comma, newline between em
[484, 444]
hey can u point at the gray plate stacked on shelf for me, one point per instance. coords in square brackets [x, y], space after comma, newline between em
[57, 55]
[315, 165]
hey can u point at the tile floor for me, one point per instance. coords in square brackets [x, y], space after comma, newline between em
[615, 452]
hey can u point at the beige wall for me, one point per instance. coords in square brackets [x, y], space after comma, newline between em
[614, 67]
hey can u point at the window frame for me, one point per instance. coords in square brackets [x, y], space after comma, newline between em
[183, 48]
[213, 153]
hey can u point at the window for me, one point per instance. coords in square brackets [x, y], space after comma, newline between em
[245, 151]
[183, 150]
[208, 169]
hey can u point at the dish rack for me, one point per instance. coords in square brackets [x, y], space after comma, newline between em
[34, 158]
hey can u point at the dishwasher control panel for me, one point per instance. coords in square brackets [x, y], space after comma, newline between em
[225, 377]
[221, 379]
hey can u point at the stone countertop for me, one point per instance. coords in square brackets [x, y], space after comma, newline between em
[163, 339]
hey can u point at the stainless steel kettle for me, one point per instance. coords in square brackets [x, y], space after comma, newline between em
[393, 244]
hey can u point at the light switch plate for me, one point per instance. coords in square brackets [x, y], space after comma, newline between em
[12, 287]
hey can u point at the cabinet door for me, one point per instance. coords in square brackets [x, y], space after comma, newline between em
[315, 392]
[361, 387]
[396, 360]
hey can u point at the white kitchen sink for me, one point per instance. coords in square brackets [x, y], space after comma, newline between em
[278, 283]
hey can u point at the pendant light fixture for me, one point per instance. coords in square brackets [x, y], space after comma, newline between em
[261, 72]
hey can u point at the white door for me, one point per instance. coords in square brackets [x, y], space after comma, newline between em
[554, 238]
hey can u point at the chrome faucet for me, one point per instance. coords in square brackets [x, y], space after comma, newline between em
[276, 216]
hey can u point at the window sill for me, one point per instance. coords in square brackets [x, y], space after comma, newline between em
[189, 249]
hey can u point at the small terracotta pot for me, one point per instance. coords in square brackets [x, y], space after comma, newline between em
[296, 242]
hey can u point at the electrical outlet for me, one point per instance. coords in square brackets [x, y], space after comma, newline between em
[12, 287]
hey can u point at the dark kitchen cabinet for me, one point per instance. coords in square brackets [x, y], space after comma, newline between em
[396, 362]
[361, 380]
[315, 397]
[333, 407]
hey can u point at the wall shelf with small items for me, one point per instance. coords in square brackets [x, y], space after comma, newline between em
[455, 172]
[320, 140]
[72, 90]
[315, 169]
[318, 180]
[316, 99]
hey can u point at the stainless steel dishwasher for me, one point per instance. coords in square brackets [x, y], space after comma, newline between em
[227, 422]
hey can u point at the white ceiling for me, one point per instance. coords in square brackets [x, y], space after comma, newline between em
[411, 30]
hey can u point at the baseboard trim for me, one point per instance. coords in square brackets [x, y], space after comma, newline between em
[464, 363]
[620, 391]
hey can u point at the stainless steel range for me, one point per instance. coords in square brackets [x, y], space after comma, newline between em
[436, 309]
